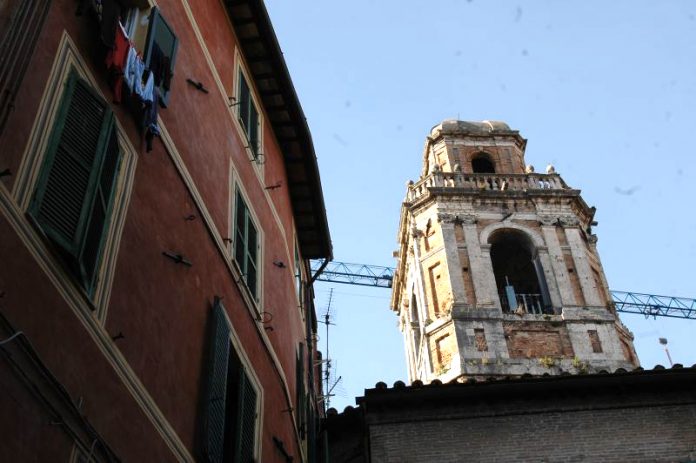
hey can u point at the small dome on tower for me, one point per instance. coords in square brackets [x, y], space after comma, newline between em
[453, 126]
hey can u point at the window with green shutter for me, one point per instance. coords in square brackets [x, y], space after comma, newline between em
[160, 47]
[73, 198]
[232, 400]
[246, 244]
[300, 391]
[248, 115]
[245, 432]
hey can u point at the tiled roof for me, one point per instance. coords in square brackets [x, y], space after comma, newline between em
[460, 386]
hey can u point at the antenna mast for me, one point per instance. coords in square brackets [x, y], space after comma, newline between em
[328, 387]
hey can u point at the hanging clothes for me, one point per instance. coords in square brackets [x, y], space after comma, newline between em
[134, 73]
[150, 120]
[116, 61]
[148, 89]
[130, 70]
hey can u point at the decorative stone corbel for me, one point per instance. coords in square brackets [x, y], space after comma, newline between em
[446, 217]
[569, 221]
[547, 220]
[467, 219]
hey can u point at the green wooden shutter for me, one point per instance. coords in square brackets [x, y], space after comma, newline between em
[101, 208]
[251, 253]
[246, 246]
[244, 100]
[240, 231]
[217, 385]
[71, 175]
[300, 390]
[253, 129]
[246, 416]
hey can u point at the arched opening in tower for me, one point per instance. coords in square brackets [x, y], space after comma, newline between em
[482, 164]
[519, 276]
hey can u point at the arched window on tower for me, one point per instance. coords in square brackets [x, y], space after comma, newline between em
[519, 276]
[482, 164]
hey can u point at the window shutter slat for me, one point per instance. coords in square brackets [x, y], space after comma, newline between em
[247, 420]
[217, 386]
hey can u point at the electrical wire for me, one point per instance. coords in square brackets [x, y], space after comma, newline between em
[11, 338]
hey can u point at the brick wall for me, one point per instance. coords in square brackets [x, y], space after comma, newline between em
[639, 416]
[528, 340]
[661, 433]
[442, 346]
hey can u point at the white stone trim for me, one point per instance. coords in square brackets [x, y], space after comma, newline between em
[486, 233]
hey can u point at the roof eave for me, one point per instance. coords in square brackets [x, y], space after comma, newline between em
[269, 71]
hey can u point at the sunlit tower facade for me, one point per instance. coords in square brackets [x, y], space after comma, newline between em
[498, 272]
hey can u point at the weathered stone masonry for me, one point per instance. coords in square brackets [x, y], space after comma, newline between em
[498, 271]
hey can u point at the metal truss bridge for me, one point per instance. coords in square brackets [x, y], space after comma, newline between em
[649, 305]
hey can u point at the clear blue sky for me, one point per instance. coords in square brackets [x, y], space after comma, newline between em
[606, 91]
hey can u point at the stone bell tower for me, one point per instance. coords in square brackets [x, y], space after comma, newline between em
[498, 271]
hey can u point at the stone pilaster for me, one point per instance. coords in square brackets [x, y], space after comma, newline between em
[551, 284]
[420, 358]
[480, 266]
[582, 267]
[454, 266]
[558, 265]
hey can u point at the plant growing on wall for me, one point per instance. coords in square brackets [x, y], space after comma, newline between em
[580, 366]
[547, 361]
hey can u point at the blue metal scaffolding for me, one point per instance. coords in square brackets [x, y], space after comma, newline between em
[649, 305]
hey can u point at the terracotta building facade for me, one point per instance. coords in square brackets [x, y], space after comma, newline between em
[160, 200]
[498, 271]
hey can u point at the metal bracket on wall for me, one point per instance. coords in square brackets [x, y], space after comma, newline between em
[197, 85]
[177, 258]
